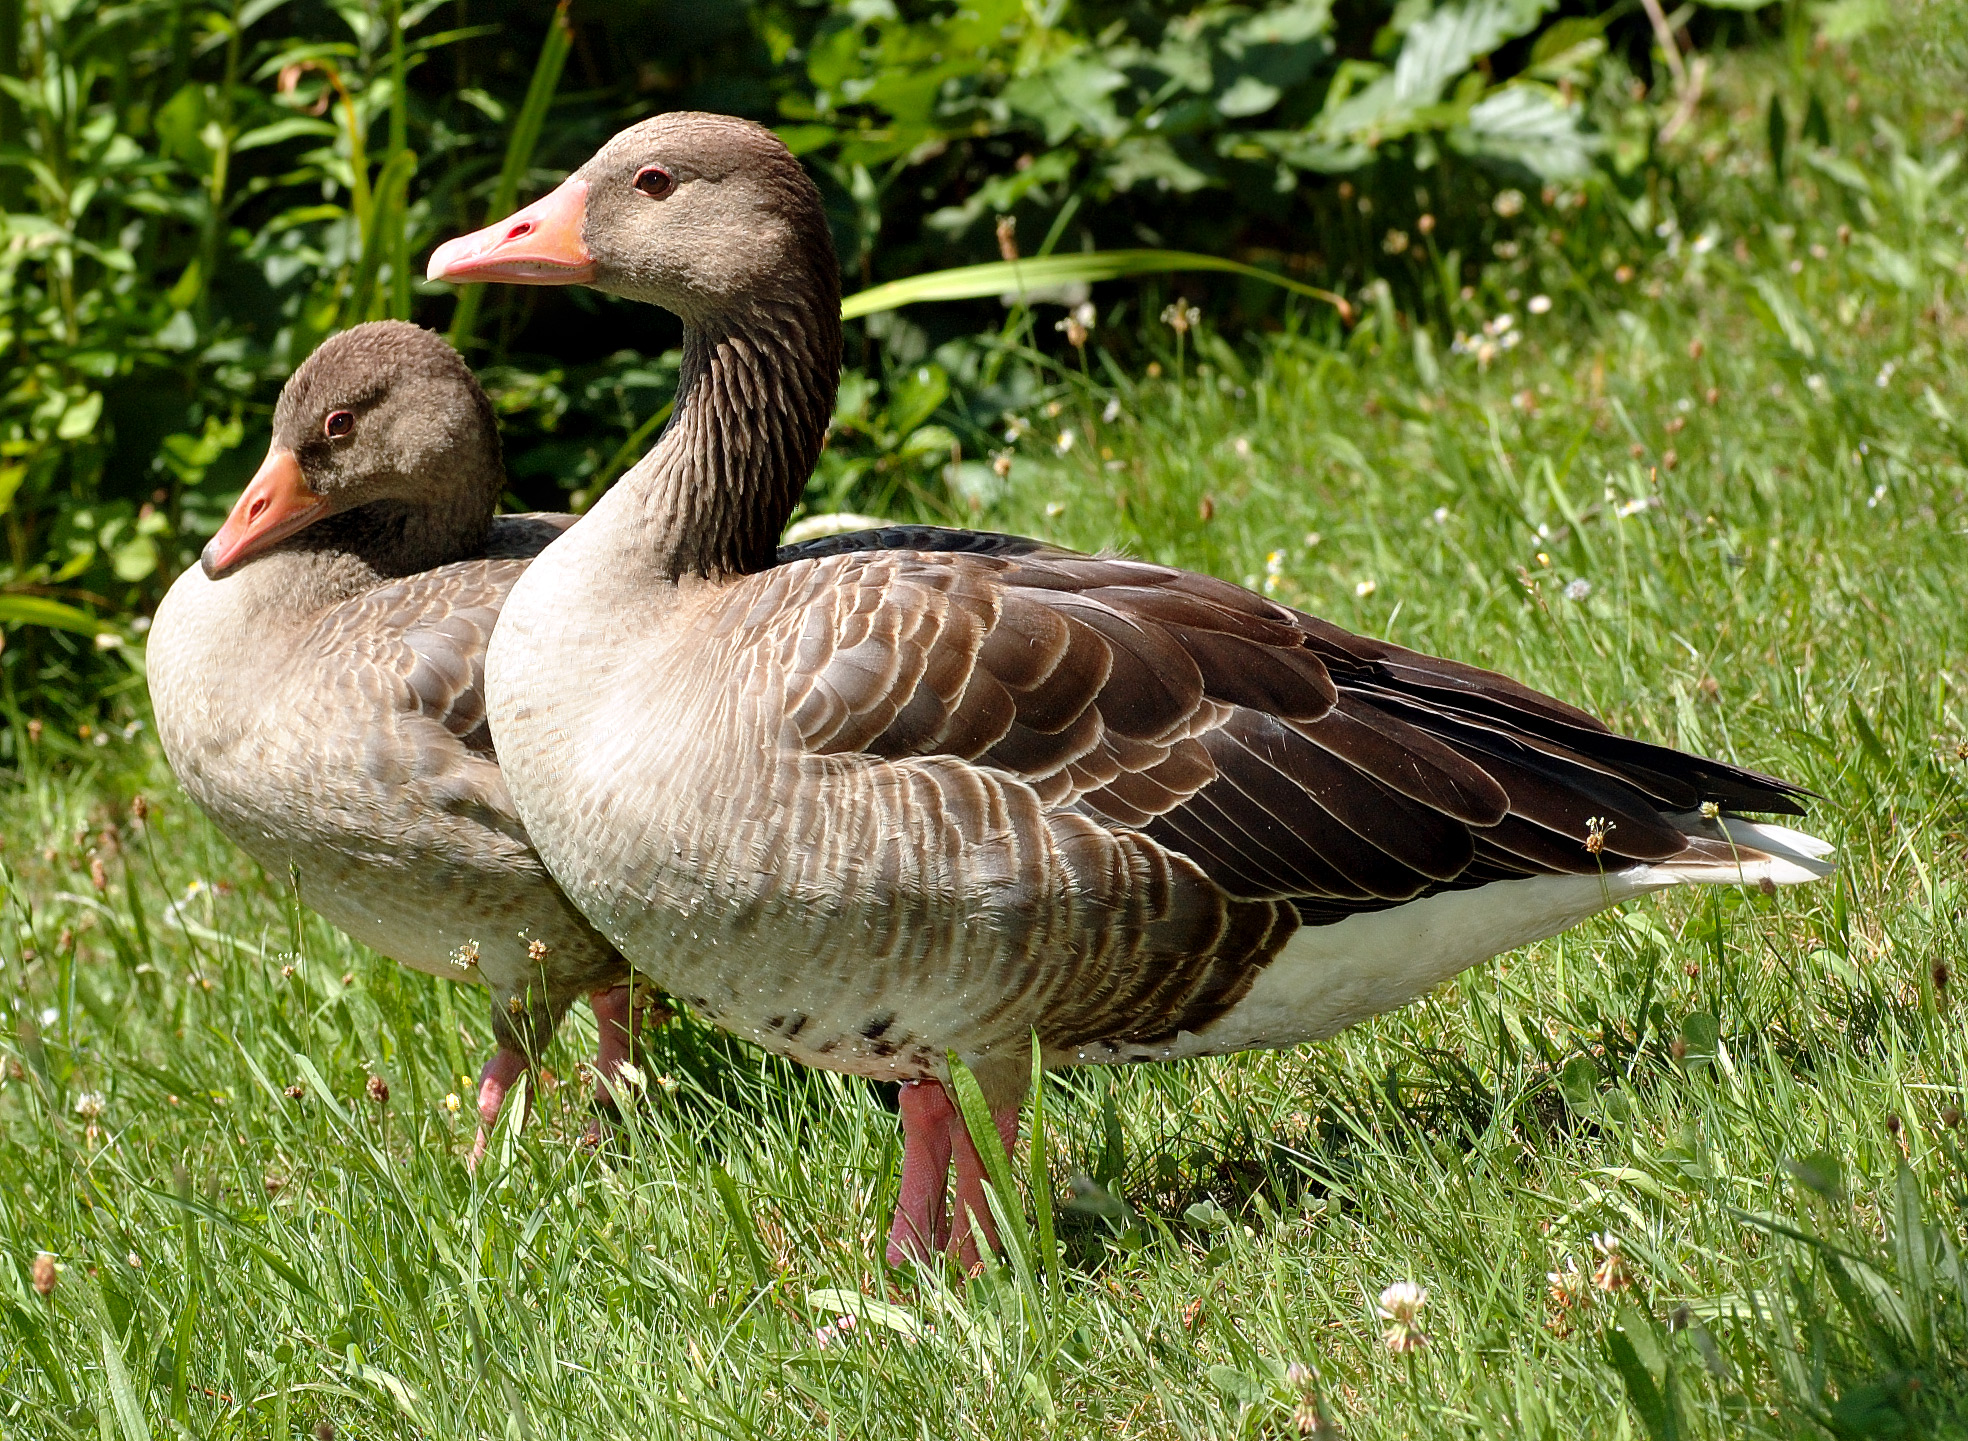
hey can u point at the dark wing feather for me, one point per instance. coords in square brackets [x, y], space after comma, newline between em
[1289, 759]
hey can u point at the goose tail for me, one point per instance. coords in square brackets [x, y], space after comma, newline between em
[1728, 850]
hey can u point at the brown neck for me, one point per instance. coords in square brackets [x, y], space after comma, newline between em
[753, 402]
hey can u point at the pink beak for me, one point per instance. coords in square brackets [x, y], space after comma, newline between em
[275, 504]
[540, 245]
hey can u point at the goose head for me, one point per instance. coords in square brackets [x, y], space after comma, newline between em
[696, 213]
[385, 425]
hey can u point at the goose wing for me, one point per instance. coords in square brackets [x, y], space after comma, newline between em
[1287, 758]
[416, 648]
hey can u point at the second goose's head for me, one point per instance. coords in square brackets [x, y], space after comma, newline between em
[383, 446]
[697, 213]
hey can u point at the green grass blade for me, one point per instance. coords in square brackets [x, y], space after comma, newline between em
[971, 282]
[39, 610]
[976, 1113]
[122, 1395]
[1037, 1179]
[520, 145]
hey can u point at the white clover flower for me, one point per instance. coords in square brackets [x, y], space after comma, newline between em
[1538, 304]
[1400, 1305]
[89, 1105]
[1577, 589]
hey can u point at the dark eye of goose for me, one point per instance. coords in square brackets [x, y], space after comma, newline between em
[339, 423]
[654, 181]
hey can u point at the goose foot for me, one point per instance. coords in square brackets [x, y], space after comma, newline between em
[932, 1133]
[506, 1066]
[971, 1204]
[621, 1014]
[921, 1228]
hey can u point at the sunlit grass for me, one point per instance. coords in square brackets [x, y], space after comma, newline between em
[1726, 514]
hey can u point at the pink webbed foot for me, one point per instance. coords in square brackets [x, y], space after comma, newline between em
[921, 1227]
[505, 1067]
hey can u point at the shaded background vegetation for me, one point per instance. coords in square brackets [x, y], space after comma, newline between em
[196, 194]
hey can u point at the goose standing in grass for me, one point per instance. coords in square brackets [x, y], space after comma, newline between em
[318, 684]
[885, 797]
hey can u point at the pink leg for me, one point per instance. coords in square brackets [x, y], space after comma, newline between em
[921, 1229]
[505, 1067]
[970, 1186]
[618, 1018]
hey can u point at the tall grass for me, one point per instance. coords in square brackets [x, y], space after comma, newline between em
[1692, 1170]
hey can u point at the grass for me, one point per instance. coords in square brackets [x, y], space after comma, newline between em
[1721, 504]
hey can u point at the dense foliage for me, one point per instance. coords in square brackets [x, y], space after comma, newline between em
[196, 194]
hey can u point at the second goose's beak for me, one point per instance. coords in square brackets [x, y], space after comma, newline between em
[276, 503]
[540, 245]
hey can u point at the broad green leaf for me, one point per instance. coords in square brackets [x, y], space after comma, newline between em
[971, 282]
[39, 610]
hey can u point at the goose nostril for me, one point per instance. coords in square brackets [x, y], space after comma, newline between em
[525, 227]
[258, 506]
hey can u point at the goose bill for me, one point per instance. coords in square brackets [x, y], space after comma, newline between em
[275, 504]
[540, 245]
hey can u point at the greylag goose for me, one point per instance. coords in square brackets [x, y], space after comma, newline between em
[880, 799]
[318, 686]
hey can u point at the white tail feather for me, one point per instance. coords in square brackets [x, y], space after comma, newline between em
[1757, 852]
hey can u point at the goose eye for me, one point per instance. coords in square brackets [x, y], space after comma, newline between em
[339, 422]
[654, 181]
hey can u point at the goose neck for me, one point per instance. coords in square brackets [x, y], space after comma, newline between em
[754, 397]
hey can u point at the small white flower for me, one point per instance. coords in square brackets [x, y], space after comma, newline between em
[1538, 304]
[1633, 507]
[1113, 411]
[1441, 515]
[1065, 441]
[89, 1105]
[1400, 1305]
[1242, 446]
[1500, 324]
[1705, 242]
[1710, 810]
[1366, 588]
[1815, 383]
[49, 1016]
[1055, 509]
[1578, 589]
[1508, 203]
[1885, 376]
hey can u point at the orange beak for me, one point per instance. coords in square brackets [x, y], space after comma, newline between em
[274, 505]
[541, 245]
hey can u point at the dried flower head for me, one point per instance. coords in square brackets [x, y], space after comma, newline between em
[1426, 224]
[1180, 316]
[1577, 589]
[378, 1090]
[1300, 1376]
[1710, 810]
[33, 732]
[1570, 1291]
[98, 877]
[139, 809]
[295, 1092]
[1008, 237]
[536, 950]
[1395, 242]
[1400, 1306]
[1612, 1273]
[1597, 828]
[42, 1274]
[1508, 203]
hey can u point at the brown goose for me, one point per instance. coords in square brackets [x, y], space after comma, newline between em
[885, 797]
[318, 684]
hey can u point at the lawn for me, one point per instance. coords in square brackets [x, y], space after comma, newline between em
[1694, 1169]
